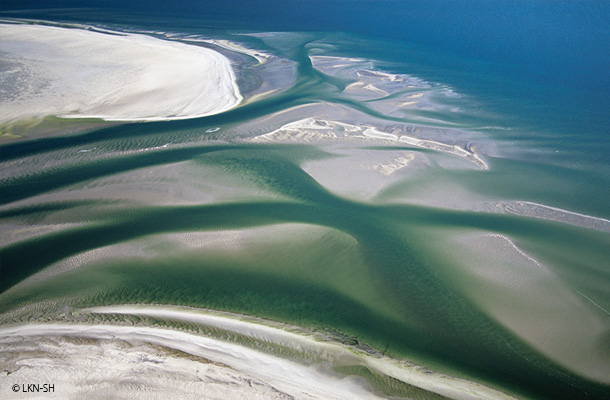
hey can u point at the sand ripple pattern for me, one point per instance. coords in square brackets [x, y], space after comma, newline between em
[344, 233]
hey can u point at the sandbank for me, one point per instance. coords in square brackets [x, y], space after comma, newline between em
[317, 129]
[244, 371]
[77, 73]
[307, 377]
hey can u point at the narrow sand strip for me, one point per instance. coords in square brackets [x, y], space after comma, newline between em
[76, 73]
[536, 210]
[260, 56]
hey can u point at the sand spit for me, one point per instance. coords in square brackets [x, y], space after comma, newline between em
[542, 211]
[308, 378]
[260, 56]
[76, 73]
[526, 209]
[314, 130]
[454, 197]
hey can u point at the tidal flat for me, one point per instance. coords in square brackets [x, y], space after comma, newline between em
[332, 230]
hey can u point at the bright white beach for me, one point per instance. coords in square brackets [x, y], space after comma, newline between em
[77, 73]
[137, 353]
[138, 371]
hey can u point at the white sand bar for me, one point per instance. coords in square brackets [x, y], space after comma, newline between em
[77, 73]
[312, 129]
[239, 372]
[285, 378]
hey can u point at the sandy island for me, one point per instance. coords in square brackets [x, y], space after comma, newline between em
[78, 73]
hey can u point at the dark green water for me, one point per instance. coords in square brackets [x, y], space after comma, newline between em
[394, 271]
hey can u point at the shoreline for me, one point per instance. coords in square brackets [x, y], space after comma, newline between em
[258, 348]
